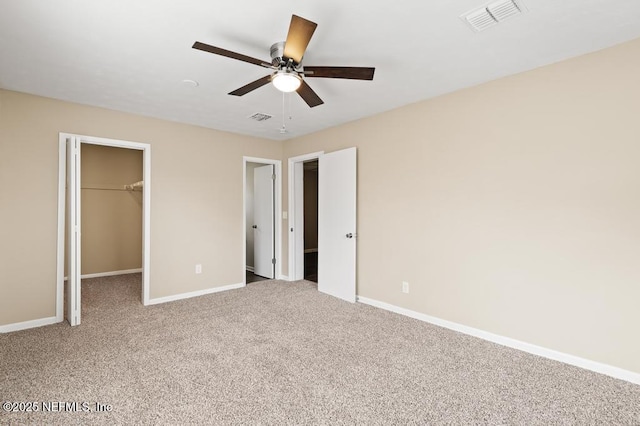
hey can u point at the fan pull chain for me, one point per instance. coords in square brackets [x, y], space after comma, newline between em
[284, 128]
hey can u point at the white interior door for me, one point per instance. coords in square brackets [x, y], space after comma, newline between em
[337, 224]
[263, 221]
[73, 230]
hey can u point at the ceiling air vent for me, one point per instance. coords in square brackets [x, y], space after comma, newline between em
[492, 13]
[258, 116]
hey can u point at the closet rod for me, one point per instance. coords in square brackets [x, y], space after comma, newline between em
[134, 186]
[104, 188]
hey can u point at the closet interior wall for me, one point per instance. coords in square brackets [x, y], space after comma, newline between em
[111, 215]
[311, 206]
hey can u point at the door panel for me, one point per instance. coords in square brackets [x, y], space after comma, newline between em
[263, 217]
[73, 231]
[337, 224]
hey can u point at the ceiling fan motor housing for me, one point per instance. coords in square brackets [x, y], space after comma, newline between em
[278, 60]
[277, 50]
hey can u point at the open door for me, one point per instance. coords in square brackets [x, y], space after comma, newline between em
[263, 225]
[337, 224]
[73, 230]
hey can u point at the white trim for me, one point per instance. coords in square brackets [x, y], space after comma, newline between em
[291, 215]
[94, 140]
[194, 294]
[597, 367]
[111, 273]
[146, 223]
[283, 277]
[250, 268]
[62, 177]
[146, 211]
[277, 214]
[28, 324]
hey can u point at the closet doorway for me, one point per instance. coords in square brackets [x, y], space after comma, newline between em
[262, 229]
[303, 213]
[310, 220]
[103, 215]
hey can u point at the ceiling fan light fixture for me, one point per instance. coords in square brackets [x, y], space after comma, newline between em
[286, 81]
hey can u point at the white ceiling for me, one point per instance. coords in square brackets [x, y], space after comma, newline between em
[132, 55]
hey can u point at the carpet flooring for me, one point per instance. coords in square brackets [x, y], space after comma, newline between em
[275, 352]
[250, 277]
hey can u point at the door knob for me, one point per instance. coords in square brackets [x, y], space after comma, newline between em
[255, 226]
[349, 235]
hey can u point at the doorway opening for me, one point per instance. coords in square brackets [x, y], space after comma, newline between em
[303, 217]
[310, 220]
[103, 219]
[261, 227]
[111, 188]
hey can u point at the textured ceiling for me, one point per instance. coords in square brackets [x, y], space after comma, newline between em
[133, 55]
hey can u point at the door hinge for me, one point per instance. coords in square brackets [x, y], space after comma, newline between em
[273, 261]
[273, 177]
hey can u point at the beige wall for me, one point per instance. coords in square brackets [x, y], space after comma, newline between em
[196, 199]
[512, 207]
[111, 215]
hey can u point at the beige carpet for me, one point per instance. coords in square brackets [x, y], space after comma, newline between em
[282, 353]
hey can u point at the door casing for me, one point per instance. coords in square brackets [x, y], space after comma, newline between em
[146, 210]
[295, 229]
[278, 209]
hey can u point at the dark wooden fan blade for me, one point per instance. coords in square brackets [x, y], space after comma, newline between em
[252, 86]
[309, 96]
[354, 73]
[228, 54]
[300, 32]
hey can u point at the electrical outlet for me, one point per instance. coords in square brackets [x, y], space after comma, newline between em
[405, 287]
[198, 268]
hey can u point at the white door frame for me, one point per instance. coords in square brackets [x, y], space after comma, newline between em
[146, 210]
[296, 270]
[277, 213]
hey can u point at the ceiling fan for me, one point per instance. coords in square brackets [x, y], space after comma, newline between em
[286, 61]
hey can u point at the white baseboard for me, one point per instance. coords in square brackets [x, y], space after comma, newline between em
[597, 367]
[250, 268]
[181, 296]
[109, 274]
[283, 277]
[28, 324]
